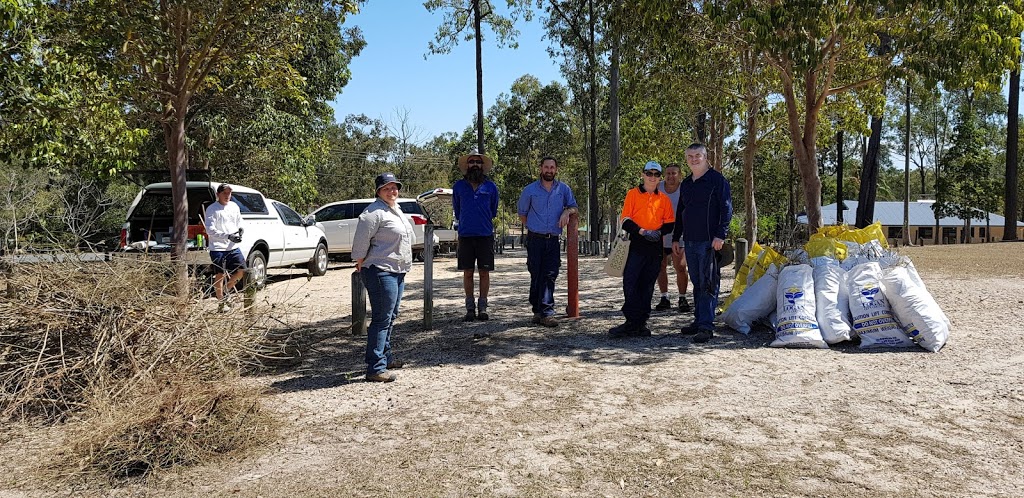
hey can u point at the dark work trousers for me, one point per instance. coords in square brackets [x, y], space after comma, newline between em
[543, 257]
[643, 264]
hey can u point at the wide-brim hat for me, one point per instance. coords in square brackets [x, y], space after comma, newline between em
[464, 163]
[384, 179]
[726, 255]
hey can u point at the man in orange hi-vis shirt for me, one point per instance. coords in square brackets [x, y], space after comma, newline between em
[646, 214]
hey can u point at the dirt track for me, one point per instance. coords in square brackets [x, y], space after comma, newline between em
[507, 408]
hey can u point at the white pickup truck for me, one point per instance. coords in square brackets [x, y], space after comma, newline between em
[275, 235]
[437, 204]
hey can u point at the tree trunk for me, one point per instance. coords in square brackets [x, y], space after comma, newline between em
[174, 138]
[906, 171]
[614, 98]
[479, 79]
[1012, 139]
[803, 136]
[593, 209]
[702, 127]
[839, 177]
[869, 176]
[749, 152]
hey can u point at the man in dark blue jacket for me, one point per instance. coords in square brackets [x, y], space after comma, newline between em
[475, 201]
[702, 224]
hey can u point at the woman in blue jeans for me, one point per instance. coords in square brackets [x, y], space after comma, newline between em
[382, 249]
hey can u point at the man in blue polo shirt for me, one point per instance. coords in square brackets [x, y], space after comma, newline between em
[705, 210]
[475, 201]
[544, 208]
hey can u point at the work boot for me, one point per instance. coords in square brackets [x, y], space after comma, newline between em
[703, 336]
[624, 330]
[690, 329]
[382, 376]
[663, 305]
[470, 316]
[643, 331]
[684, 306]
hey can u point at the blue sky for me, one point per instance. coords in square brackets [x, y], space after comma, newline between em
[440, 91]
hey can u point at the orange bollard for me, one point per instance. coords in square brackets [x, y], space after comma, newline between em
[572, 254]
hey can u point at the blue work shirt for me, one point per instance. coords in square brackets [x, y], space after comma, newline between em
[705, 208]
[475, 209]
[542, 209]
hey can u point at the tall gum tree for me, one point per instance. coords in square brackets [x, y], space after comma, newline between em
[827, 48]
[165, 52]
[463, 20]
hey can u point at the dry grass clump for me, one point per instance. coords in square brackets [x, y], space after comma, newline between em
[174, 422]
[145, 379]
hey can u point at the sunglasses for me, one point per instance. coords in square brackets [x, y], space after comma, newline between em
[652, 172]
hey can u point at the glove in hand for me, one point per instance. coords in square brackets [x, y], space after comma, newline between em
[653, 235]
[235, 238]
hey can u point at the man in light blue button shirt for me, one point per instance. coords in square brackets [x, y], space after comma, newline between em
[544, 208]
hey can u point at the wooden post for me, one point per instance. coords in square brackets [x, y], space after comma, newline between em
[358, 304]
[428, 276]
[572, 254]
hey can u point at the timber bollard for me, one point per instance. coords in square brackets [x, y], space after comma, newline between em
[741, 253]
[358, 304]
[428, 276]
[572, 256]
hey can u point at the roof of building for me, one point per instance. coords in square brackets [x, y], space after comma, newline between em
[890, 213]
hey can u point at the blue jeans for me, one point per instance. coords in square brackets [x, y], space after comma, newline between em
[643, 264]
[543, 257]
[706, 277]
[385, 291]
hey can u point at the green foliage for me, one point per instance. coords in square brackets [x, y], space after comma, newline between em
[458, 22]
[965, 184]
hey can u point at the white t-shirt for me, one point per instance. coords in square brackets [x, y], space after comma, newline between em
[221, 221]
[674, 197]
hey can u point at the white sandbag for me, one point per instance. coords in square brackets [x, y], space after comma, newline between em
[831, 300]
[797, 326]
[873, 320]
[915, 308]
[755, 303]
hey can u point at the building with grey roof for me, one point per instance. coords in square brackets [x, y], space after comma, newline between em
[922, 222]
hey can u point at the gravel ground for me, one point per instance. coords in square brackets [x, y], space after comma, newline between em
[508, 408]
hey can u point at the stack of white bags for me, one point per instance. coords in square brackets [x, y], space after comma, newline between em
[873, 294]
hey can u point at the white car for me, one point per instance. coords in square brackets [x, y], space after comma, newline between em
[275, 235]
[339, 220]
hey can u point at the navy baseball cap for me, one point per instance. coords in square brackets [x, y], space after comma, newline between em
[384, 179]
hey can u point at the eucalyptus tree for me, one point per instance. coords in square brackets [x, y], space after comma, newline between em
[530, 122]
[826, 48]
[966, 184]
[463, 20]
[1010, 210]
[163, 54]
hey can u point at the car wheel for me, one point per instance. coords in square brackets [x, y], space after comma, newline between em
[256, 274]
[318, 265]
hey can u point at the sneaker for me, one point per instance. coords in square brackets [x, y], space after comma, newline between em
[624, 330]
[382, 376]
[663, 305]
[689, 329]
[703, 336]
[546, 321]
[684, 306]
[483, 316]
[470, 316]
